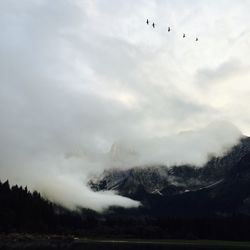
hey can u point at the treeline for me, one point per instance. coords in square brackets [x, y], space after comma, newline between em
[23, 211]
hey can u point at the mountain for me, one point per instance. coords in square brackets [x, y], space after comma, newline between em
[182, 202]
[220, 187]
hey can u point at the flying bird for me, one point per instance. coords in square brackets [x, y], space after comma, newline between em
[196, 39]
[147, 22]
[184, 35]
[168, 29]
[153, 25]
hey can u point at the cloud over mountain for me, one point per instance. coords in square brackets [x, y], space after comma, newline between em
[77, 76]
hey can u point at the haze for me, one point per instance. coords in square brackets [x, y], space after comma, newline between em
[77, 77]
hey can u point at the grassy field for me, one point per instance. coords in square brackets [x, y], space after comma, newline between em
[174, 243]
[30, 241]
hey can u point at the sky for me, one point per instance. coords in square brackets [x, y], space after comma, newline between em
[80, 77]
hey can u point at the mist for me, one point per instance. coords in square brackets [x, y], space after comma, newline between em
[190, 147]
[87, 86]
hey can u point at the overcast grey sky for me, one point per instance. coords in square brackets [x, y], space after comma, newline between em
[77, 76]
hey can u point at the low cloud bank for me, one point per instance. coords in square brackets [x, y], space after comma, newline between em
[63, 177]
[190, 147]
[72, 193]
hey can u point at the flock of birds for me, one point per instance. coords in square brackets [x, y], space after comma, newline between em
[184, 35]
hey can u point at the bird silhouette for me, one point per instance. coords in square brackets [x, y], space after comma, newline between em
[169, 29]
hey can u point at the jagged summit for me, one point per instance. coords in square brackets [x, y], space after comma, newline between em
[175, 181]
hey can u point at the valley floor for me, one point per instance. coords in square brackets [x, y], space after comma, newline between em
[186, 243]
[32, 241]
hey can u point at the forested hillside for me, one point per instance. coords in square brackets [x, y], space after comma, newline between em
[22, 211]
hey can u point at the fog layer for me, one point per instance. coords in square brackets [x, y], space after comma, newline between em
[87, 85]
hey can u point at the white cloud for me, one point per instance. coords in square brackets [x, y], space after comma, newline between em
[76, 76]
[189, 147]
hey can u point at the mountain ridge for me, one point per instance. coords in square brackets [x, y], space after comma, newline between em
[168, 189]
